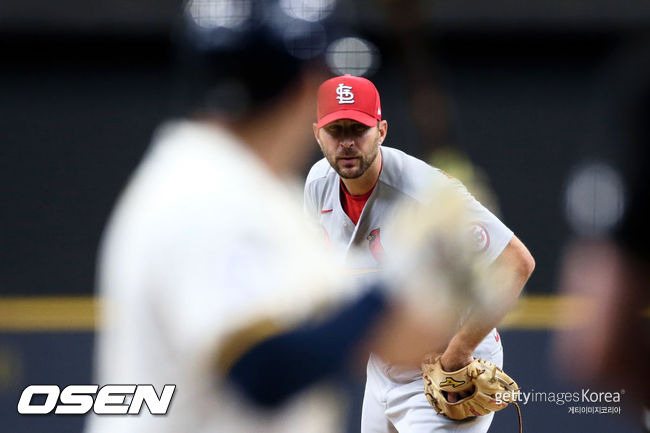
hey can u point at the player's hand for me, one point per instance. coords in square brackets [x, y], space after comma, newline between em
[452, 361]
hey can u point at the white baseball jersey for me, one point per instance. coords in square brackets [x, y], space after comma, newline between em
[204, 243]
[394, 398]
[402, 179]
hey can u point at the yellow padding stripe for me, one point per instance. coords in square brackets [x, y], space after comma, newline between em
[546, 312]
[56, 313]
[78, 313]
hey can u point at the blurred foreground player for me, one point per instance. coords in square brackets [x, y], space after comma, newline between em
[207, 277]
[353, 194]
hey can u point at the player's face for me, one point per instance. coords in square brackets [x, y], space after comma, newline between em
[349, 146]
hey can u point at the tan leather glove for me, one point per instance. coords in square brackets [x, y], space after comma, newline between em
[491, 389]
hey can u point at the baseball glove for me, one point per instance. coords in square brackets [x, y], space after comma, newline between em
[491, 389]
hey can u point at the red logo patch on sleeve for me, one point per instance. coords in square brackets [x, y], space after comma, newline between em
[479, 236]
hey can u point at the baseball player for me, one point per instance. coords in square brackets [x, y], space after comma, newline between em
[209, 278]
[352, 193]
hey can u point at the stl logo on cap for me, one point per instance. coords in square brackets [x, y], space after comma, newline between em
[345, 95]
[336, 100]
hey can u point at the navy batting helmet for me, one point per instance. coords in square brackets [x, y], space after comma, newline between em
[237, 55]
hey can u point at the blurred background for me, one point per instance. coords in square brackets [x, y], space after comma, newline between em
[520, 100]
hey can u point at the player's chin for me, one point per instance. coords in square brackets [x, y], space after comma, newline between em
[347, 172]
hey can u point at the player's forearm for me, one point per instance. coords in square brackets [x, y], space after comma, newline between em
[514, 267]
[278, 367]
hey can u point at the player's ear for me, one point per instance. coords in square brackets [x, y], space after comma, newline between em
[383, 130]
[315, 127]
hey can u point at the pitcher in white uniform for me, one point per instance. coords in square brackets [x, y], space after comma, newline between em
[351, 194]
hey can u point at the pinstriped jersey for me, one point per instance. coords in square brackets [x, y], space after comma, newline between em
[403, 179]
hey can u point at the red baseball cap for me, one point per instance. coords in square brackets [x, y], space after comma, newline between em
[348, 97]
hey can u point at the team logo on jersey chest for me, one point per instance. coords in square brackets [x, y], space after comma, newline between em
[374, 244]
[345, 95]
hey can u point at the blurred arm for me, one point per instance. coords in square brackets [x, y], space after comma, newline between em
[515, 265]
[275, 368]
